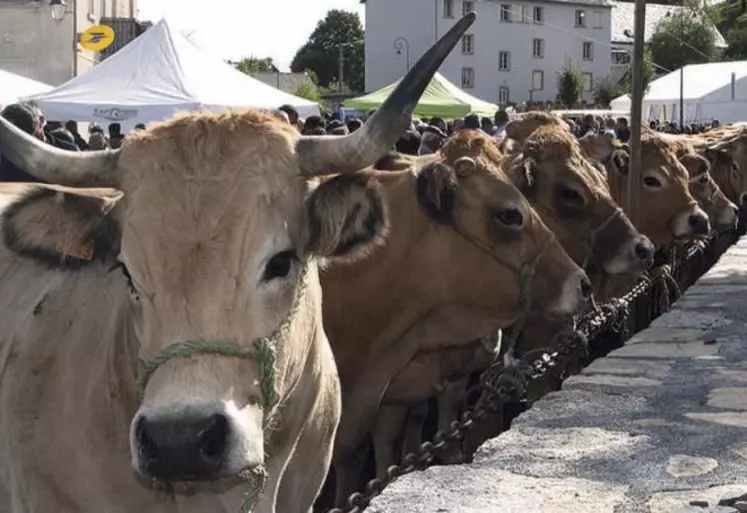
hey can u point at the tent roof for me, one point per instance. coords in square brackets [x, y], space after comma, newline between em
[13, 87]
[156, 75]
[699, 80]
[441, 98]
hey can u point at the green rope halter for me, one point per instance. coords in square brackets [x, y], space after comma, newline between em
[263, 350]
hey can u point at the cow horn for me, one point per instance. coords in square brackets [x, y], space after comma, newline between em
[339, 154]
[54, 165]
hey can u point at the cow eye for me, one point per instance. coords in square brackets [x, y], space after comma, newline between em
[651, 181]
[511, 217]
[279, 265]
[571, 196]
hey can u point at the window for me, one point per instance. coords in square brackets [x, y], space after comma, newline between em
[596, 19]
[620, 57]
[524, 14]
[503, 95]
[468, 78]
[504, 61]
[448, 8]
[538, 15]
[580, 18]
[468, 44]
[538, 80]
[468, 6]
[538, 48]
[506, 12]
[588, 82]
[588, 51]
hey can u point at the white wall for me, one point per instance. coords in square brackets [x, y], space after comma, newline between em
[415, 20]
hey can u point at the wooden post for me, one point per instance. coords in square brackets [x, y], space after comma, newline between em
[636, 113]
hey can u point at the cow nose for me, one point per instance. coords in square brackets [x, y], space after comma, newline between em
[182, 448]
[644, 251]
[586, 286]
[698, 223]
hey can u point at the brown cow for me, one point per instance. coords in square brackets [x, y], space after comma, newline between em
[171, 322]
[462, 236]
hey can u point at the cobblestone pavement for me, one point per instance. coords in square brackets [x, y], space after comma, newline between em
[658, 426]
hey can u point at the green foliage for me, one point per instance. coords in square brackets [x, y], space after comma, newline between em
[308, 90]
[606, 90]
[252, 65]
[570, 86]
[609, 88]
[683, 25]
[730, 17]
[322, 51]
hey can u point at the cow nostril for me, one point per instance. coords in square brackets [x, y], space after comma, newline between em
[643, 251]
[585, 286]
[214, 437]
[148, 446]
[698, 223]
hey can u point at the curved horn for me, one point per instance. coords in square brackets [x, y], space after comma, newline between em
[54, 165]
[335, 154]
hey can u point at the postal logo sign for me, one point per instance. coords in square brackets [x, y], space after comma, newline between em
[97, 38]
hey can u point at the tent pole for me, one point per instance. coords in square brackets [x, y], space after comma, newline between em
[636, 115]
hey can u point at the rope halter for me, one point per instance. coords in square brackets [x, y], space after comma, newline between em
[262, 350]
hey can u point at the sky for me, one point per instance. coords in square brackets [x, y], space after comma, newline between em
[232, 29]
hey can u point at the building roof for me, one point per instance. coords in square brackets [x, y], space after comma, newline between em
[287, 82]
[599, 3]
[623, 19]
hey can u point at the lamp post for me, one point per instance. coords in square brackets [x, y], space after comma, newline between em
[59, 10]
[682, 65]
[399, 44]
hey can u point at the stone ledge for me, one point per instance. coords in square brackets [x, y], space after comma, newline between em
[658, 426]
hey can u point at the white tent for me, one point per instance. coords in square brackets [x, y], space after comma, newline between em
[159, 73]
[621, 103]
[13, 87]
[711, 91]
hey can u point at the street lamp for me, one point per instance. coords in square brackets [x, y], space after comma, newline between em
[399, 44]
[682, 66]
[59, 10]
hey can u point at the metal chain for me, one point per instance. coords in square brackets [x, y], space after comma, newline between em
[501, 385]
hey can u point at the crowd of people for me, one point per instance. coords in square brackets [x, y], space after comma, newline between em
[424, 135]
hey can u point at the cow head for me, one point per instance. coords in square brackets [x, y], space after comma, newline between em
[522, 127]
[722, 212]
[498, 237]
[728, 158]
[573, 197]
[211, 222]
[667, 209]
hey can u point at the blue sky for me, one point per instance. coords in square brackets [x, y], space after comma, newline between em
[233, 29]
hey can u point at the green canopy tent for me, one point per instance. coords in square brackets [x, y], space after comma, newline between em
[441, 98]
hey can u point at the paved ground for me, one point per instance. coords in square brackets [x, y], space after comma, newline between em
[657, 425]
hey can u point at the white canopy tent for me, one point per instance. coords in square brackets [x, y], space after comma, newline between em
[621, 103]
[13, 87]
[711, 91]
[156, 75]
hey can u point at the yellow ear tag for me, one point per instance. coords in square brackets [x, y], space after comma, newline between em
[83, 251]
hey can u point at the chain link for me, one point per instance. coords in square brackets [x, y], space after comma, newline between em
[499, 385]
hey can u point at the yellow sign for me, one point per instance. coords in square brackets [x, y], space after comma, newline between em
[97, 38]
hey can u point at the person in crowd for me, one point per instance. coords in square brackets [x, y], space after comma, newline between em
[587, 127]
[72, 127]
[622, 130]
[487, 126]
[140, 126]
[609, 128]
[472, 122]
[25, 118]
[115, 135]
[440, 123]
[97, 141]
[501, 120]
[317, 130]
[353, 124]
[64, 139]
[292, 113]
[312, 123]
[281, 115]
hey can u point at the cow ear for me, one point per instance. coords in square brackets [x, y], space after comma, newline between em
[61, 226]
[621, 159]
[346, 216]
[437, 186]
[526, 179]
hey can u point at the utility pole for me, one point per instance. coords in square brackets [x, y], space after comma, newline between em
[636, 114]
[682, 73]
[341, 71]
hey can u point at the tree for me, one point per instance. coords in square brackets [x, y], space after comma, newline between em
[683, 25]
[252, 65]
[308, 90]
[729, 17]
[339, 29]
[609, 88]
[570, 85]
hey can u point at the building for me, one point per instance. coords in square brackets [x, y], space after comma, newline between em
[623, 21]
[512, 53]
[286, 82]
[34, 45]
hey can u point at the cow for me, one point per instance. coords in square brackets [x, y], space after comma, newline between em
[454, 268]
[161, 310]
